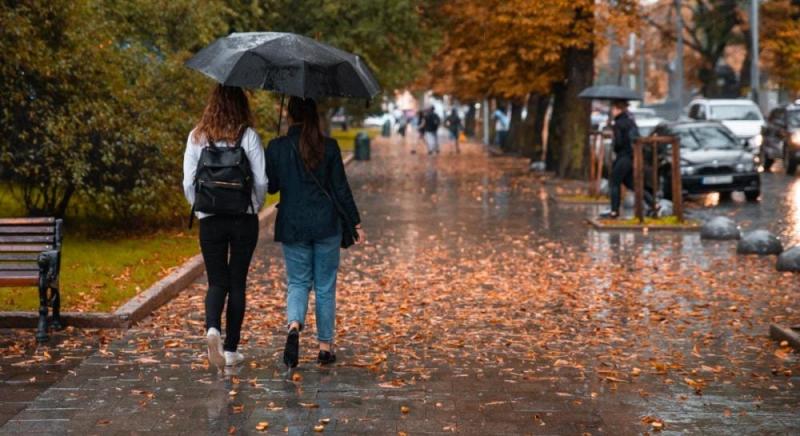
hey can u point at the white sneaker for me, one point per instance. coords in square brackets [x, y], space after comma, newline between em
[233, 358]
[214, 342]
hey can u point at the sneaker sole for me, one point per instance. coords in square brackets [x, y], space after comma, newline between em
[214, 356]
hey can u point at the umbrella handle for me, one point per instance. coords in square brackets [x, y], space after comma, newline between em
[280, 115]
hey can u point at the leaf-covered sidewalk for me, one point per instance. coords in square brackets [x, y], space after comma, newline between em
[479, 306]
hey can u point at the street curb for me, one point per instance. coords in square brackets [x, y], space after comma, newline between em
[642, 228]
[569, 200]
[141, 305]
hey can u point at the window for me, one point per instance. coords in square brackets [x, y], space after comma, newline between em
[735, 112]
[706, 137]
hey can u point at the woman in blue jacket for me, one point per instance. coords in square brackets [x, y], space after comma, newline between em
[308, 225]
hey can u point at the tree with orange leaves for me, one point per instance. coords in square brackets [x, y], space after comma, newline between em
[524, 52]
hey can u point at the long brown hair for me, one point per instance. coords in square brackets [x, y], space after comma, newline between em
[227, 113]
[312, 143]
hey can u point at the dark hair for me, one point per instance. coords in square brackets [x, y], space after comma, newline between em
[312, 142]
[226, 114]
[620, 104]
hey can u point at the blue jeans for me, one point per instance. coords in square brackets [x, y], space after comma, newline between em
[316, 263]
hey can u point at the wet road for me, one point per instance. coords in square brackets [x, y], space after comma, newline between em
[479, 306]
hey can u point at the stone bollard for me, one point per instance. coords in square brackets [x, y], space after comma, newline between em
[789, 260]
[720, 228]
[759, 242]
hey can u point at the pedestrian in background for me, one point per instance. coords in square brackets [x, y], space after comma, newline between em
[625, 134]
[453, 124]
[431, 128]
[316, 205]
[501, 123]
[228, 233]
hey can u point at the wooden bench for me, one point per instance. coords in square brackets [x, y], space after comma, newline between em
[30, 255]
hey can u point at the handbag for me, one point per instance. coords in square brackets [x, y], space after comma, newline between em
[349, 233]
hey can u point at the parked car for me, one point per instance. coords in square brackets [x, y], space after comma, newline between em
[782, 137]
[742, 117]
[713, 159]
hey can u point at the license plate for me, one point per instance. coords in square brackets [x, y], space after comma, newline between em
[717, 180]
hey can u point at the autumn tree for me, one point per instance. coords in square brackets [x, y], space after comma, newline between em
[781, 42]
[527, 53]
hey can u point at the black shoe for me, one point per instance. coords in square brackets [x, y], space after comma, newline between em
[291, 351]
[326, 357]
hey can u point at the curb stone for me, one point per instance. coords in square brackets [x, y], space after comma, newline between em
[141, 305]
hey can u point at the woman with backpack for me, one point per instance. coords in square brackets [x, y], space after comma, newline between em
[225, 182]
[316, 216]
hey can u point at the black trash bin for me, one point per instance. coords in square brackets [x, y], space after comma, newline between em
[387, 129]
[361, 151]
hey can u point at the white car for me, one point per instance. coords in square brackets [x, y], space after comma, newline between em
[742, 117]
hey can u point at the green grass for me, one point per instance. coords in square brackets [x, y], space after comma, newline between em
[100, 275]
[584, 197]
[347, 138]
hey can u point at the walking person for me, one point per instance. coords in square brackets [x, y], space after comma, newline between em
[225, 182]
[453, 124]
[315, 213]
[625, 134]
[431, 128]
[501, 123]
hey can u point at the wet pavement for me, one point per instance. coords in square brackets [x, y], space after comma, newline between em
[478, 306]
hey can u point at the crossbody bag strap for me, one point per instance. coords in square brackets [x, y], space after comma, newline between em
[336, 205]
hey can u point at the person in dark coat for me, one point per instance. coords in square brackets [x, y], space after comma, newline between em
[625, 134]
[308, 225]
[453, 124]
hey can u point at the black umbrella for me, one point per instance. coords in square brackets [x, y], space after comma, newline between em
[286, 63]
[609, 92]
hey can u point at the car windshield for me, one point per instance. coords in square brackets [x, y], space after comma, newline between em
[705, 137]
[794, 118]
[646, 131]
[735, 112]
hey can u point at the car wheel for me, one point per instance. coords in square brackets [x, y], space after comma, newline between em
[752, 195]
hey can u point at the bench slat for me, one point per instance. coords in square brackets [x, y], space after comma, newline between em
[24, 248]
[18, 278]
[30, 266]
[26, 239]
[27, 221]
[32, 257]
[27, 230]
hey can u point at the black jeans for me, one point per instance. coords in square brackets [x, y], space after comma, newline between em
[622, 174]
[227, 243]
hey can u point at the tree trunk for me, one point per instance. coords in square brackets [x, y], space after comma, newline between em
[515, 130]
[533, 126]
[568, 135]
[469, 121]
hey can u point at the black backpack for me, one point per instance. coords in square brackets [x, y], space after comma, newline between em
[223, 183]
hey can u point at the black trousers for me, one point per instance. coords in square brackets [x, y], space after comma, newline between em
[622, 174]
[227, 243]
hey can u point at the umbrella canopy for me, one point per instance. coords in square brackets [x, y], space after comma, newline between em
[286, 63]
[609, 92]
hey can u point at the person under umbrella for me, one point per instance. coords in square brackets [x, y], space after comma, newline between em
[306, 168]
[317, 213]
[625, 134]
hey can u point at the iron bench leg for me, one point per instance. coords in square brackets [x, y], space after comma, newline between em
[55, 300]
[41, 330]
[48, 277]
